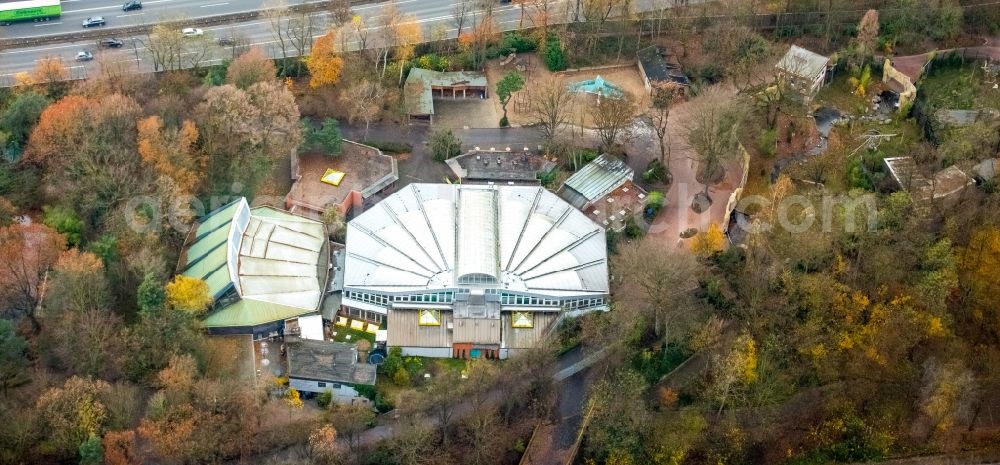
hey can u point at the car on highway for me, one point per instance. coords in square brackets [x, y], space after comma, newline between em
[111, 43]
[84, 56]
[226, 41]
[94, 21]
[192, 32]
[133, 5]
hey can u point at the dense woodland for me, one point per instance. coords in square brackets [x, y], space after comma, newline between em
[829, 344]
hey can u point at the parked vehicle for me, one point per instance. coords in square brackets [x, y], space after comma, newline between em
[111, 43]
[30, 10]
[192, 32]
[132, 5]
[94, 21]
[84, 56]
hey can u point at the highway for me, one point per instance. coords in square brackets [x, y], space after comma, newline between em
[428, 13]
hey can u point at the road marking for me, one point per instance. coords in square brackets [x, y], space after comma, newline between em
[130, 14]
[48, 24]
[214, 4]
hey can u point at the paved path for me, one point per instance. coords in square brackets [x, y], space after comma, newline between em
[913, 65]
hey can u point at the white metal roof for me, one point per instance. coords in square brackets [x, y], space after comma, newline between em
[803, 63]
[428, 236]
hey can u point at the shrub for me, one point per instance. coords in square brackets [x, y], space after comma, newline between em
[389, 146]
[504, 122]
[518, 42]
[432, 61]
[445, 145]
[654, 203]
[324, 398]
[632, 229]
[327, 138]
[655, 171]
[547, 178]
[401, 378]
[856, 176]
[767, 143]
[65, 221]
[555, 57]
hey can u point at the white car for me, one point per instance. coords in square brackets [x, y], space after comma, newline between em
[192, 32]
[84, 56]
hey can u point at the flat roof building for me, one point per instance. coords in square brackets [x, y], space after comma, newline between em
[472, 270]
[423, 86]
[262, 266]
[366, 171]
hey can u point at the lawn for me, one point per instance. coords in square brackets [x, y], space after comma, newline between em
[959, 88]
[343, 332]
[839, 94]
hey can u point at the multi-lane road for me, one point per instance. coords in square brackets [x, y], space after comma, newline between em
[430, 14]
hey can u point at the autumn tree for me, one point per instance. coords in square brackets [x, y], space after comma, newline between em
[708, 242]
[250, 68]
[120, 448]
[323, 445]
[512, 82]
[618, 418]
[88, 148]
[734, 370]
[947, 394]
[188, 294]
[165, 46]
[978, 266]
[549, 108]
[350, 420]
[867, 36]
[612, 116]
[82, 331]
[73, 412]
[665, 95]
[245, 132]
[172, 152]
[324, 62]
[712, 130]
[27, 252]
[49, 70]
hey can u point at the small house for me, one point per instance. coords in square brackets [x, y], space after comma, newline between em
[657, 66]
[603, 189]
[423, 86]
[805, 71]
[317, 366]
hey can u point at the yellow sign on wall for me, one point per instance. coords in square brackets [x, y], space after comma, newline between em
[428, 317]
[522, 320]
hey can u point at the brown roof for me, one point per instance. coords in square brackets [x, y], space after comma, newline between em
[364, 167]
[612, 210]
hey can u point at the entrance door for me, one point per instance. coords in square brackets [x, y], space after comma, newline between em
[475, 353]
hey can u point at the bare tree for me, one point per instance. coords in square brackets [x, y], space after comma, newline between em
[664, 97]
[165, 46]
[712, 131]
[460, 14]
[340, 12]
[301, 28]
[276, 11]
[549, 107]
[612, 116]
[364, 100]
[659, 285]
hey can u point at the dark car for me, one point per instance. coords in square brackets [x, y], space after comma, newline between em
[111, 43]
[94, 21]
[226, 41]
[133, 5]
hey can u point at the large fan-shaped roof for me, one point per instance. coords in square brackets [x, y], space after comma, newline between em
[435, 236]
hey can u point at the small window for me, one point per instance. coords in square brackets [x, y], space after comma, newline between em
[320, 384]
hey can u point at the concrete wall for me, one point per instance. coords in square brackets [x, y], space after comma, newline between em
[339, 390]
[910, 93]
[437, 352]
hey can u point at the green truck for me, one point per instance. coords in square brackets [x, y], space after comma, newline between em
[29, 10]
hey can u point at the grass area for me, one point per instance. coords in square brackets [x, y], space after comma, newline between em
[959, 88]
[355, 335]
[839, 94]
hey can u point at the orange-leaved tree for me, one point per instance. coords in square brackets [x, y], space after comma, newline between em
[324, 63]
[171, 151]
[26, 254]
[250, 68]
